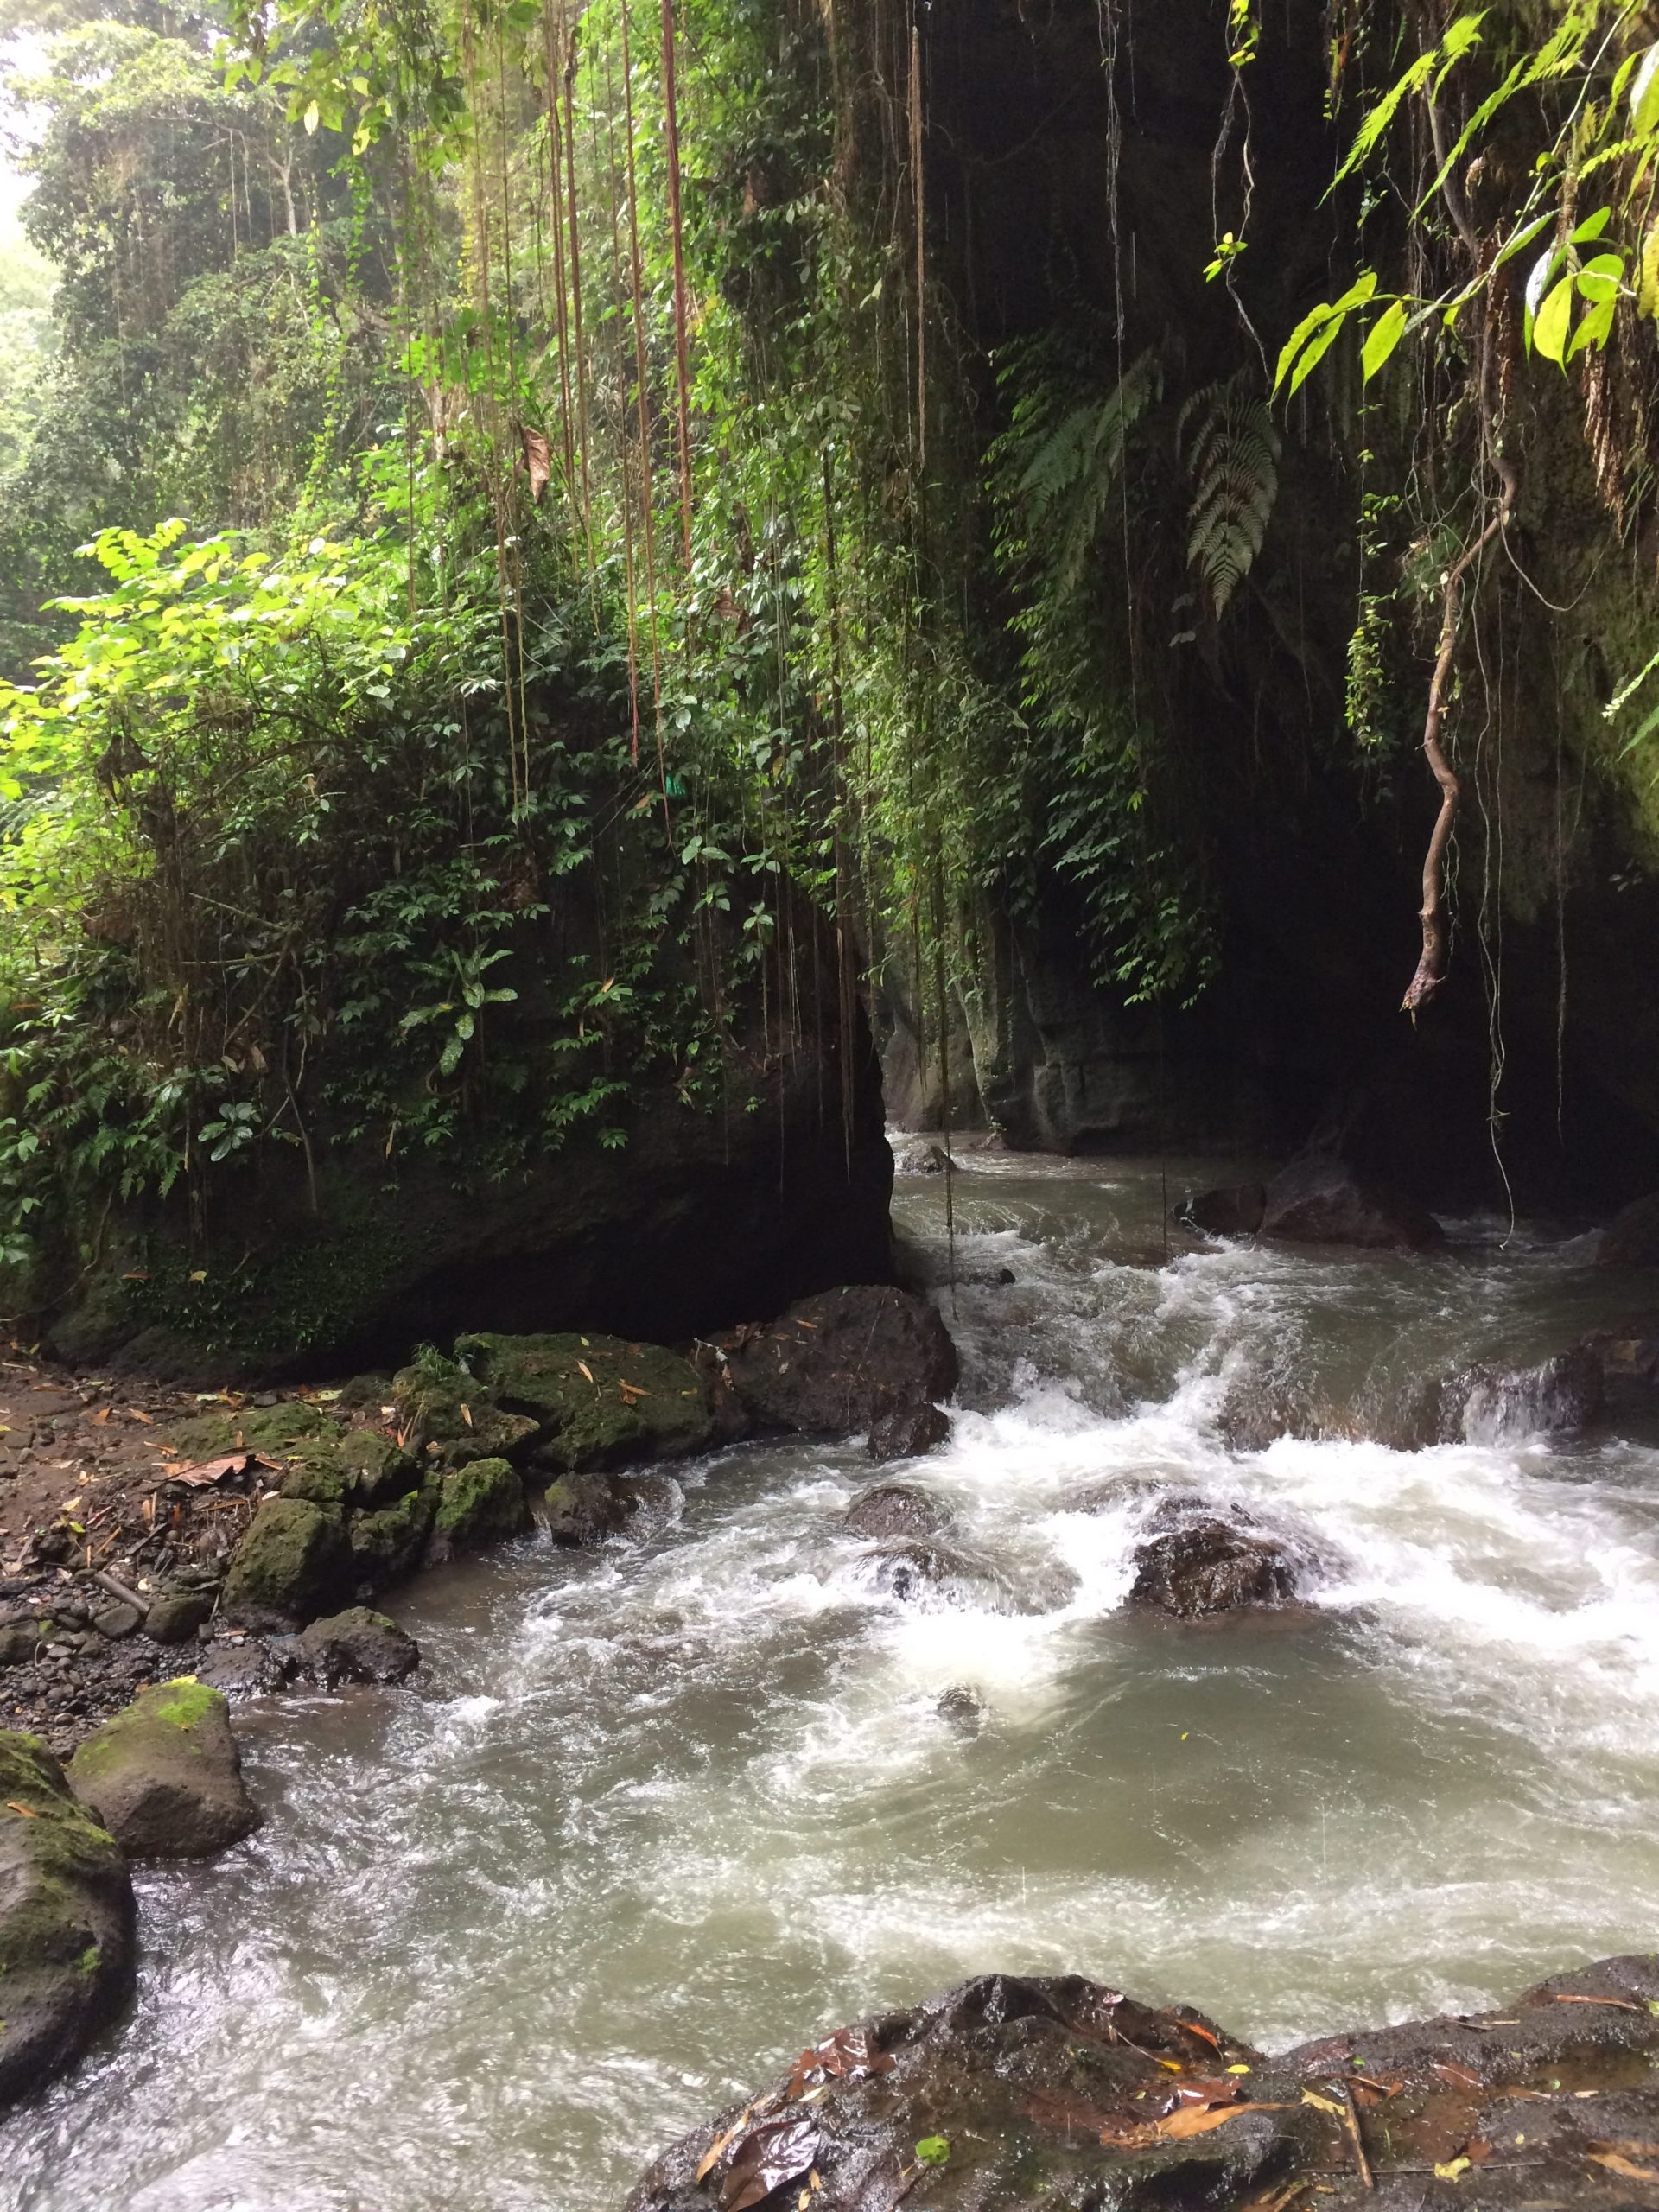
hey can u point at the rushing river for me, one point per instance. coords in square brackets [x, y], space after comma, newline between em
[651, 1816]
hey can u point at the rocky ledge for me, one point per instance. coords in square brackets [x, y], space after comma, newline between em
[1009, 2093]
[239, 1537]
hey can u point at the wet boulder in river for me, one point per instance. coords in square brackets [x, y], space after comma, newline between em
[910, 1568]
[1489, 1404]
[1319, 1200]
[585, 1509]
[922, 1158]
[1004, 2093]
[1195, 1563]
[482, 1503]
[66, 1920]
[358, 1646]
[1631, 1238]
[866, 1357]
[164, 1776]
[1236, 1211]
[896, 1509]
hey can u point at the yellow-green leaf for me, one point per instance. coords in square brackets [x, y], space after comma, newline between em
[1385, 334]
[1553, 322]
[312, 117]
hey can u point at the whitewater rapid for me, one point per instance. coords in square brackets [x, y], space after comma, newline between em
[651, 1817]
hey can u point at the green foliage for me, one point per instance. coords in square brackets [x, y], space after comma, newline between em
[1226, 438]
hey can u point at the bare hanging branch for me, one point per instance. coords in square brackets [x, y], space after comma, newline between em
[681, 349]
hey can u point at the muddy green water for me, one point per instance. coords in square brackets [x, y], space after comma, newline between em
[652, 1816]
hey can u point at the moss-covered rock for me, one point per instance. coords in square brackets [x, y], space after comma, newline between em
[164, 1776]
[597, 1402]
[582, 1508]
[450, 1418]
[319, 1456]
[479, 1504]
[294, 1563]
[388, 1542]
[66, 1920]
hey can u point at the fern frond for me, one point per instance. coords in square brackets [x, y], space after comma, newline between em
[1227, 441]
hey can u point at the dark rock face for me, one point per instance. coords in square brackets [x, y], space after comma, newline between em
[1198, 1564]
[1236, 1211]
[1319, 1199]
[922, 1158]
[164, 1776]
[908, 1568]
[1631, 1238]
[1009, 2093]
[896, 1509]
[358, 1646]
[1259, 1408]
[703, 1218]
[66, 1920]
[866, 1357]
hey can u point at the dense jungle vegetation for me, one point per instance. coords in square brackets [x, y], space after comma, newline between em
[500, 499]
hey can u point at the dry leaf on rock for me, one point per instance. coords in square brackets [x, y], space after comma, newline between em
[778, 2151]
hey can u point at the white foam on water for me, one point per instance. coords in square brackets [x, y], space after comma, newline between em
[659, 1812]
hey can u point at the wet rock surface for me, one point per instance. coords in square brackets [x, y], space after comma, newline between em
[1319, 1200]
[358, 1646]
[1491, 1404]
[896, 1509]
[66, 1920]
[1195, 1562]
[164, 1776]
[1006, 2093]
[1237, 1210]
[865, 1357]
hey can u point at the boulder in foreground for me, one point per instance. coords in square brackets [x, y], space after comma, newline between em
[358, 1646]
[164, 1776]
[1195, 1564]
[66, 1920]
[1007, 2093]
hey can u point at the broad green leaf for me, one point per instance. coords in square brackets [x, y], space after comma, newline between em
[1647, 290]
[1553, 321]
[1593, 226]
[1600, 279]
[1385, 334]
[1596, 327]
[1356, 295]
[1523, 237]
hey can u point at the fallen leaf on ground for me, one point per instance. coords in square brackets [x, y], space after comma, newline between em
[583, 1368]
[1204, 2035]
[711, 2156]
[849, 2055]
[1451, 2169]
[1571, 1996]
[28, 1812]
[207, 1471]
[1193, 2122]
[1325, 2104]
[1460, 2077]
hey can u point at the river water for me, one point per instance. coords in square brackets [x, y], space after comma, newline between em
[650, 1818]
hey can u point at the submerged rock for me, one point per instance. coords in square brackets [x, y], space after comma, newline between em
[1319, 1200]
[1197, 1563]
[922, 1158]
[1631, 1238]
[1236, 1211]
[66, 1920]
[866, 1357]
[1258, 1409]
[1008, 2093]
[909, 1568]
[896, 1509]
[1488, 1404]
[164, 1776]
[358, 1646]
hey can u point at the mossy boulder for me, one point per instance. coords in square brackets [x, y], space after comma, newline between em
[319, 1456]
[388, 1543]
[164, 1776]
[294, 1563]
[597, 1402]
[66, 1920]
[479, 1504]
[450, 1418]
